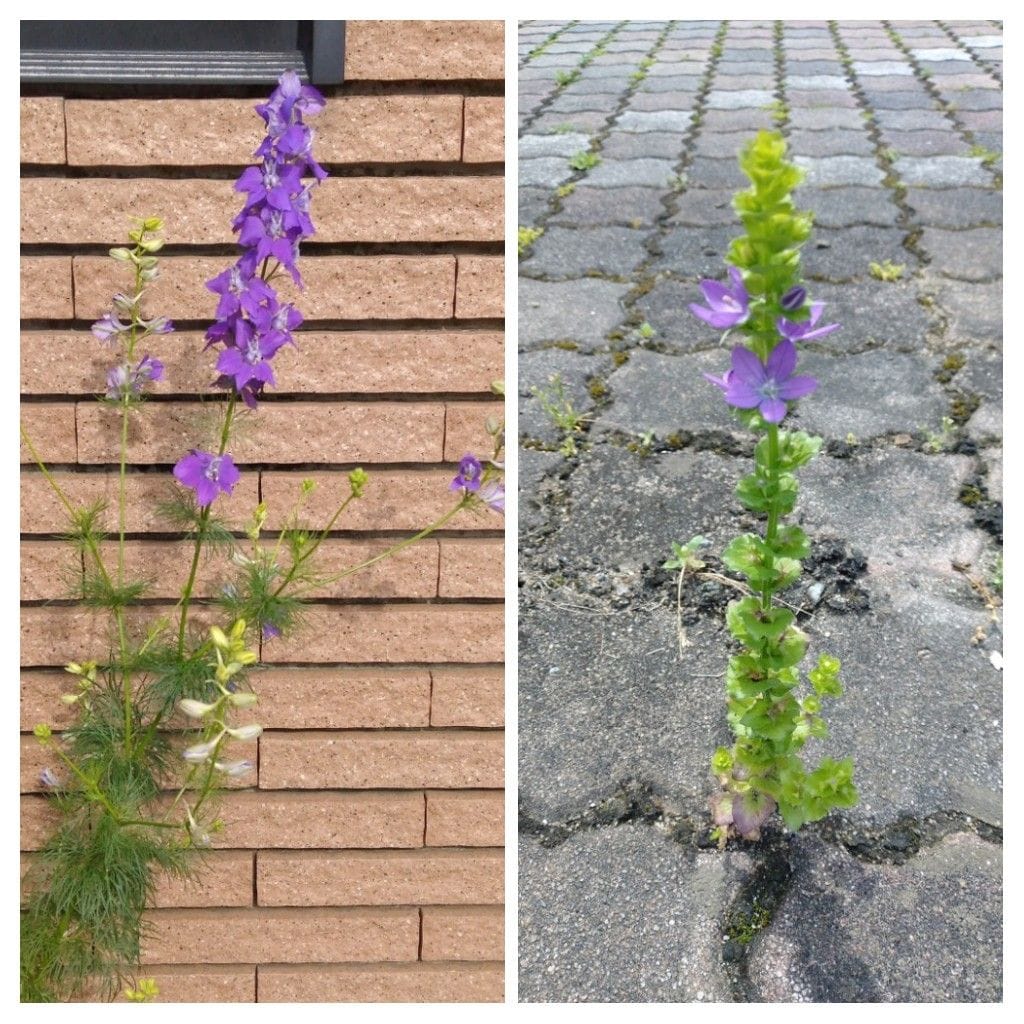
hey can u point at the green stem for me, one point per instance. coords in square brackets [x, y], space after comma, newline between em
[773, 508]
[310, 551]
[394, 549]
[204, 516]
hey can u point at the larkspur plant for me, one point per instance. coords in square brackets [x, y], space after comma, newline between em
[134, 795]
[766, 301]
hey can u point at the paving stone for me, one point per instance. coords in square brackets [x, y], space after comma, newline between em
[587, 122]
[709, 172]
[666, 308]
[694, 251]
[583, 311]
[981, 120]
[942, 171]
[738, 99]
[571, 103]
[705, 207]
[632, 206]
[671, 86]
[870, 394]
[977, 99]
[737, 120]
[667, 393]
[601, 86]
[675, 99]
[926, 143]
[846, 206]
[912, 120]
[993, 460]
[629, 899]
[981, 374]
[868, 68]
[940, 54]
[575, 252]
[974, 254]
[894, 83]
[538, 472]
[730, 66]
[536, 370]
[533, 203]
[955, 207]
[544, 171]
[552, 145]
[634, 145]
[819, 99]
[814, 67]
[873, 313]
[982, 42]
[929, 931]
[887, 100]
[815, 119]
[653, 121]
[728, 83]
[800, 81]
[842, 255]
[840, 170]
[720, 145]
[975, 310]
[646, 171]
[842, 142]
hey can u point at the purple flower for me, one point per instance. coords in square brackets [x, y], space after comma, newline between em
[207, 474]
[729, 307]
[751, 384]
[492, 494]
[806, 331]
[270, 631]
[48, 779]
[123, 381]
[246, 363]
[469, 474]
[794, 299]
[108, 327]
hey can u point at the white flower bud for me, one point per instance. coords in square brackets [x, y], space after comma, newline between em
[234, 768]
[243, 700]
[246, 732]
[194, 708]
[200, 752]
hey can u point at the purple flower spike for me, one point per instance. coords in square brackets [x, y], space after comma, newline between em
[207, 474]
[729, 307]
[794, 299]
[751, 384]
[806, 331]
[468, 477]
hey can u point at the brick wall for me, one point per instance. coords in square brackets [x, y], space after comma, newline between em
[366, 862]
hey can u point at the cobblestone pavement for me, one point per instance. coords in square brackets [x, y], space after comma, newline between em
[629, 135]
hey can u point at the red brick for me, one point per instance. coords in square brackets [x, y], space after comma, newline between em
[203, 984]
[463, 933]
[51, 429]
[405, 50]
[384, 983]
[181, 132]
[393, 500]
[468, 697]
[472, 568]
[287, 432]
[49, 570]
[481, 287]
[46, 288]
[468, 818]
[42, 512]
[465, 431]
[339, 698]
[366, 820]
[258, 935]
[394, 633]
[484, 132]
[199, 212]
[223, 878]
[411, 572]
[42, 130]
[40, 699]
[357, 362]
[375, 878]
[337, 287]
[381, 759]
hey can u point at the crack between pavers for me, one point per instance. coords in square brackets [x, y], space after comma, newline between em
[895, 843]
[980, 61]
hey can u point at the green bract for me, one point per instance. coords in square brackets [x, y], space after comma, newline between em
[769, 716]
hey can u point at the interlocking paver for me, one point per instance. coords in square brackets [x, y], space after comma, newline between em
[909, 402]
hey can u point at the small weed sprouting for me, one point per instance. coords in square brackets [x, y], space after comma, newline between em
[584, 160]
[565, 190]
[560, 410]
[942, 440]
[527, 236]
[564, 78]
[765, 301]
[988, 157]
[886, 270]
[646, 331]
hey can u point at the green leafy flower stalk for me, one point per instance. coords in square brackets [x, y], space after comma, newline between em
[160, 712]
[770, 716]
